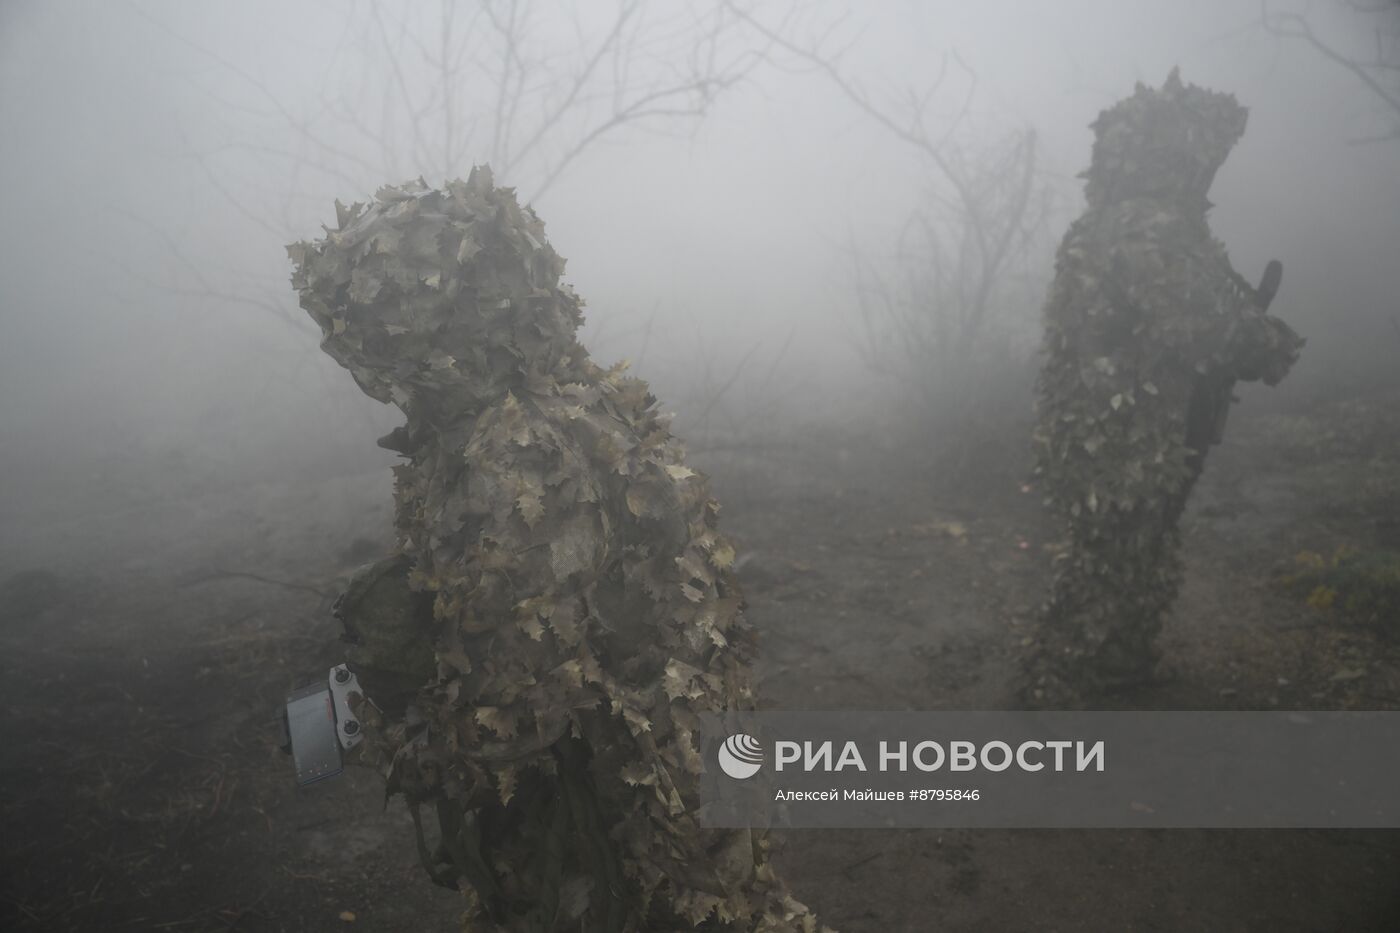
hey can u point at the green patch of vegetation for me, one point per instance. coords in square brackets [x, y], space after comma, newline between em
[1362, 586]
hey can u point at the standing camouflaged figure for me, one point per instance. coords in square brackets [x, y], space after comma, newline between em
[1148, 327]
[562, 607]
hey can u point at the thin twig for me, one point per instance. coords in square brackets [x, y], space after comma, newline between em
[243, 574]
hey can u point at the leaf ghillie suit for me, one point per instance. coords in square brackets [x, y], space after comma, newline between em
[562, 606]
[1147, 329]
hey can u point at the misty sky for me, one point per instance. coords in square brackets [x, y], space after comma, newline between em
[133, 131]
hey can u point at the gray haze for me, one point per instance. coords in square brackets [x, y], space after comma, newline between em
[145, 315]
[188, 484]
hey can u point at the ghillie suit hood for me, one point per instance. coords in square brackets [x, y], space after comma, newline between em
[562, 564]
[441, 301]
[1164, 143]
[1147, 329]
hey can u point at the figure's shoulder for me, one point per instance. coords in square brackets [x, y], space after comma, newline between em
[593, 436]
[1150, 221]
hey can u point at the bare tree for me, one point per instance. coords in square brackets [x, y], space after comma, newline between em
[938, 311]
[933, 313]
[527, 89]
[394, 90]
[417, 90]
[1377, 69]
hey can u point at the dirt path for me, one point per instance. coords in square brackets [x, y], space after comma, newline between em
[142, 787]
[889, 596]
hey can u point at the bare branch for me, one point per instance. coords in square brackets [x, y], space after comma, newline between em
[203, 287]
[1385, 59]
[925, 318]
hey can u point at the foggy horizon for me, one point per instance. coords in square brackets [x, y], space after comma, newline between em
[826, 234]
[133, 125]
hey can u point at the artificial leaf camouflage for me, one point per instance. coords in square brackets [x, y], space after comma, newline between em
[1148, 328]
[582, 608]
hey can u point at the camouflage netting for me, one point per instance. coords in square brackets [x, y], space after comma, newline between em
[582, 611]
[1148, 328]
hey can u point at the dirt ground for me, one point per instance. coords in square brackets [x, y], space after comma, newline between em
[141, 786]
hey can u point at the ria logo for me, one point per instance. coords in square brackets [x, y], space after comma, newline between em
[741, 756]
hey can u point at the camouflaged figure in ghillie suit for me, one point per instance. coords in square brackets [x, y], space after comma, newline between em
[1148, 327]
[560, 565]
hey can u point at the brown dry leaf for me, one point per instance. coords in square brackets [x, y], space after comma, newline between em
[542, 506]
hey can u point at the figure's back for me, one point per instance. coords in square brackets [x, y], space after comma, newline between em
[1147, 329]
[582, 607]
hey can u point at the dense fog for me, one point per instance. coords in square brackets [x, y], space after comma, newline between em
[158, 157]
[824, 232]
